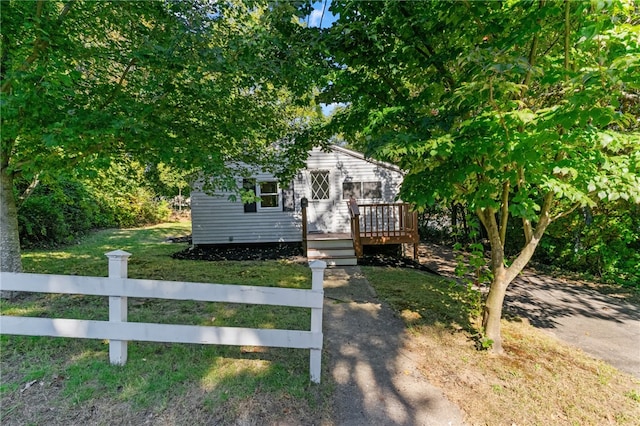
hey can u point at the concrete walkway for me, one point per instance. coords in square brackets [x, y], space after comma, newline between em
[377, 380]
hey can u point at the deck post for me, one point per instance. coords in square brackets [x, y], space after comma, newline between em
[315, 355]
[118, 261]
[304, 203]
[354, 212]
[357, 243]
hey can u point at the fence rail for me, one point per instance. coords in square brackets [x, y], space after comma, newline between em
[118, 288]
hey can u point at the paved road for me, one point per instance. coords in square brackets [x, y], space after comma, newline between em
[603, 326]
[377, 380]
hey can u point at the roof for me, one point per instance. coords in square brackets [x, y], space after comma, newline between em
[361, 156]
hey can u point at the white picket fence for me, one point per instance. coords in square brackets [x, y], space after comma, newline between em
[118, 331]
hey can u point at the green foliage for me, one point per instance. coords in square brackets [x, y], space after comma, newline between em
[492, 102]
[124, 198]
[193, 84]
[604, 242]
[59, 211]
[522, 110]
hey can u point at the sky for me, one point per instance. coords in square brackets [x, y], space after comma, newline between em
[316, 16]
[318, 19]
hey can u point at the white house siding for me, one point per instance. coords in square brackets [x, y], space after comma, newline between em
[217, 220]
[347, 166]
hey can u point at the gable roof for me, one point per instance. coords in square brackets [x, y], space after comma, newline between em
[361, 156]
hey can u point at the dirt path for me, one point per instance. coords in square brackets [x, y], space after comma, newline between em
[604, 326]
[377, 380]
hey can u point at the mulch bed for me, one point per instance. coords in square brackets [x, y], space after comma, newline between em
[292, 252]
[388, 261]
[289, 251]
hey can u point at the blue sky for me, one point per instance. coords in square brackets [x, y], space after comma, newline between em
[327, 19]
[322, 20]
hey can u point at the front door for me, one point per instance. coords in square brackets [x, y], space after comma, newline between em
[320, 213]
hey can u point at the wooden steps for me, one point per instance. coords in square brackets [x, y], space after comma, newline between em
[336, 250]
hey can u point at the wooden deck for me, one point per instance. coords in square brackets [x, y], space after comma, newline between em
[372, 224]
[378, 224]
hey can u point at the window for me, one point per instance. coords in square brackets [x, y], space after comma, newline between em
[249, 185]
[371, 189]
[361, 190]
[351, 189]
[320, 184]
[269, 195]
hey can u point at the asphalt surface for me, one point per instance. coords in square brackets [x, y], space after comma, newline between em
[604, 326]
[377, 380]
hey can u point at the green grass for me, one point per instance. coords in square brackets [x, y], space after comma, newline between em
[155, 373]
[426, 299]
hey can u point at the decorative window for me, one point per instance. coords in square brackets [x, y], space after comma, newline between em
[320, 184]
[361, 190]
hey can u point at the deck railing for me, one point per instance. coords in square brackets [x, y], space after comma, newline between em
[386, 223]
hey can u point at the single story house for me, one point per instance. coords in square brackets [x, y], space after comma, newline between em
[351, 203]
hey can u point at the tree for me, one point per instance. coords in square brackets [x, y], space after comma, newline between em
[524, 110]
[193, 84]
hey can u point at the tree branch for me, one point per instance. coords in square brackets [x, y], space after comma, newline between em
[115, 91]
[504, 217]
[39, 45]
[526, 223]
[567, 30]
[565, 213]
[27, 192]
[532, 55]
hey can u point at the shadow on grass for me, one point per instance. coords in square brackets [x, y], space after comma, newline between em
[156, 375]
[426, 299]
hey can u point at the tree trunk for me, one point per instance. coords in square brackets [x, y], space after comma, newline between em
[9, 238]
[502, 277]
[492, 312]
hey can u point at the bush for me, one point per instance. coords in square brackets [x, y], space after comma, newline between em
[604, 242]
[56, 213]
[59, 211]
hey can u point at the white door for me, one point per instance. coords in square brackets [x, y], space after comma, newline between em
[320, 212]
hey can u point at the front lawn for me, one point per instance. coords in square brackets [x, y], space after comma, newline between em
[68, 381]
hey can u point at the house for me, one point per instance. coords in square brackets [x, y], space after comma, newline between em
[331, 178]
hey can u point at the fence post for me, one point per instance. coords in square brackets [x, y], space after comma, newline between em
[118, 260]
[315, 356]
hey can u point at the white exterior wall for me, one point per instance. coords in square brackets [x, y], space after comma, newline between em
[345, 165]
[217, 220]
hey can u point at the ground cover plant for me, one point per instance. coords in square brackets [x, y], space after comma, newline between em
[539, 380]
[70, 381]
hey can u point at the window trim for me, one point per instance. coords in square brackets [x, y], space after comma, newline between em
[360, 186]
[327, 173]
[278, 194]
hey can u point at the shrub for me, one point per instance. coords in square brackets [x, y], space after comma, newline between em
[57, 212]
